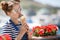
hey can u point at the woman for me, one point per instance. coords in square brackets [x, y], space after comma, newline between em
[14, 27]
[17, 8]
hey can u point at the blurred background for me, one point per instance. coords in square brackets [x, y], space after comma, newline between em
[37, 12]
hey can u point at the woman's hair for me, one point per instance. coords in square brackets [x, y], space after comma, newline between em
[6, 7]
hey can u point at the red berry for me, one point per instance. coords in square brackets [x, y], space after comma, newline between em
[41, 32]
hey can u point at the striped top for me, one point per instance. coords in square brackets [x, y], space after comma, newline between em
[13, 30]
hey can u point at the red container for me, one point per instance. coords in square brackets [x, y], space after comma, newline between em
[5, 37]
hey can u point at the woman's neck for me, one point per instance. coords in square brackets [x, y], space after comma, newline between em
[15, 21]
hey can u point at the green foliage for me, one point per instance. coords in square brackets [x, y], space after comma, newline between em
[54, 10]
[35, 34]
[4, 0]
[0, 0]
[35, 7]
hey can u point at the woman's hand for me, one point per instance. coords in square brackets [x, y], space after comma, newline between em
[23, 30]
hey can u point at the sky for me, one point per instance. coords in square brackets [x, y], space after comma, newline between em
[55, 3]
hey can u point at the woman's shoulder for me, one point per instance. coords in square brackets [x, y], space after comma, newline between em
[7, 24]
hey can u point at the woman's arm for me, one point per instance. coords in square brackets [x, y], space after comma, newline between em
[29, 36]
[23, 29]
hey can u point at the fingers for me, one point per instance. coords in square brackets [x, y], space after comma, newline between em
[23, 21]
[26, 26]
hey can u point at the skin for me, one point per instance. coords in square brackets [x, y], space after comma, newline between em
[14, 15]
[17, 7]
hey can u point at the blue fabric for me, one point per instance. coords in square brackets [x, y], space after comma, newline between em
[25, 37]
[17, 29]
